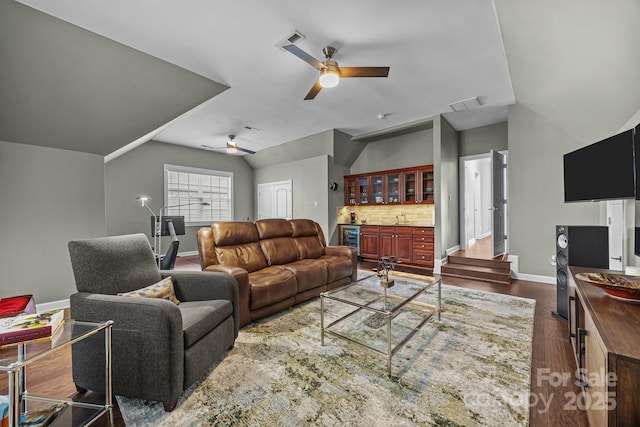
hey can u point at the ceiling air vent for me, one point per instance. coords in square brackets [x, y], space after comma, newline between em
[291, 39]
[465, 104]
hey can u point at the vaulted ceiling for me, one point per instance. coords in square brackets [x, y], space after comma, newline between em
[95, 75]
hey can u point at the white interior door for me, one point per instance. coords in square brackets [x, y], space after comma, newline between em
[275, 200]
[615, 221]
[498, 201]
[477, 205]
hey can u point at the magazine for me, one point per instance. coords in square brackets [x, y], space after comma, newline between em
[29, 327]
[42, 417]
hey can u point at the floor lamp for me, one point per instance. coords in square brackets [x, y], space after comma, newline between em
[156, 224]
[157, 220]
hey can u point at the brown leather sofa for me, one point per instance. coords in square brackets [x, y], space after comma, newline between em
[277, 262]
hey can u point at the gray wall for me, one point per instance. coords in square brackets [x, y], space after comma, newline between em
[299, 149]
[446, 189]
[536, 192]
[310, 187]
[412, 149]
[336, 198]
[49, 197]
[484, 139]
[141, 171]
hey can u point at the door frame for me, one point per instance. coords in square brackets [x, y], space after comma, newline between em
[621, 227]
[462, 195]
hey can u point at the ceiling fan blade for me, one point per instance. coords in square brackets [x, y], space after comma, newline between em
[314, 91]
[364, 71]
[304, 56]
[246, 150]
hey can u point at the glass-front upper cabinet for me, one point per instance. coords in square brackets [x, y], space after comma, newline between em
[426, 178]
[377, 189]
[393, 188]
[350, 191]
[364, 191]
[410, 187]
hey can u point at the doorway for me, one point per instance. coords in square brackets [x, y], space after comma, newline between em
[483, 207]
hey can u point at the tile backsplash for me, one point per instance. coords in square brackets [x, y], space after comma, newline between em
[418, 215]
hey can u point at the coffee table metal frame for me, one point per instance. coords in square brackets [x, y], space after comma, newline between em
[389, 315]
[15, 367]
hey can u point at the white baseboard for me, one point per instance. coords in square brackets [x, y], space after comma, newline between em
[449, 251]
[53, 305]
[534, 278]
[515, 273]
[188, 253]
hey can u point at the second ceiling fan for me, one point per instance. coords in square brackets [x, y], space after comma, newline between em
[330, 72]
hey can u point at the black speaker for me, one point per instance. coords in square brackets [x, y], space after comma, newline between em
[578, 246]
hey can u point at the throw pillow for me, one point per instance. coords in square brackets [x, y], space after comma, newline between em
[163, 289]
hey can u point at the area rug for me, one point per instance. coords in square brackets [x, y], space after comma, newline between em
[471, 368]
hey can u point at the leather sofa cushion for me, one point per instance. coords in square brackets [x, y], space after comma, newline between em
[309, 247]
[274, 227]
[310, 273]
[201, 317]
[271, 285]
[248, 256]
[303, 227]
[227, 233]
[280, 250]
[338, 267]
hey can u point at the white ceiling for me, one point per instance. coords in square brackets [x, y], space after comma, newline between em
[439, 52]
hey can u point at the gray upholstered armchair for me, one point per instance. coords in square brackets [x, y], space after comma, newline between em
[159, 348]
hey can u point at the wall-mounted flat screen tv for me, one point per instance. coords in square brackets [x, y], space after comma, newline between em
[605, 170]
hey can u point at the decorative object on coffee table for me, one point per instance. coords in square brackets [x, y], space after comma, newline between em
[386, 264]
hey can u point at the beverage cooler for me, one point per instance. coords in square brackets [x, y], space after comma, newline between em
[350, 236]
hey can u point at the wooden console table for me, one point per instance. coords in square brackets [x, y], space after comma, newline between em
[605, 335]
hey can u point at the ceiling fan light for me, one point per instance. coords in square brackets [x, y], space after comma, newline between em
[231, 148]
[329, 76]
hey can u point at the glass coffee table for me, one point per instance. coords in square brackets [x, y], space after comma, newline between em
[380, 319]
[14, 360]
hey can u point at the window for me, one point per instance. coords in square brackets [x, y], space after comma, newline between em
[201, 195]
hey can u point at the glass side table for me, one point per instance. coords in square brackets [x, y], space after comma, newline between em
[15, 359]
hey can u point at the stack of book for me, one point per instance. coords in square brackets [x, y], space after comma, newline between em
[28, 327]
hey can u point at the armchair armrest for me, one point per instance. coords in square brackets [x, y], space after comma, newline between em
[147, 338]
[201, 286]
[242, 278]
[346, 251]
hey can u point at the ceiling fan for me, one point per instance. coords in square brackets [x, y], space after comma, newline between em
[231, 147]
[330, 72]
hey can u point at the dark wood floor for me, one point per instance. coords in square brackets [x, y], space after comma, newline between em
[552, 356]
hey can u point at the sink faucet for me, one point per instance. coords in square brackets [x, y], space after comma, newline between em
[405, 218]
[396, 220]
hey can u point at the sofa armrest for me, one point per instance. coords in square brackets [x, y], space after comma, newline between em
[242, 278]
[346, 251]
[147, 338]
[202, 286]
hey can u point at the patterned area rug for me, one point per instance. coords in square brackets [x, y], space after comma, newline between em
[472, 368]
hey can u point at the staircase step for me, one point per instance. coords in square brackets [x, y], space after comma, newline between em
[476, 272]
[496, 264]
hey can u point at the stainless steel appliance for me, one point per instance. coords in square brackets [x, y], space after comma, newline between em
[350, 236]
